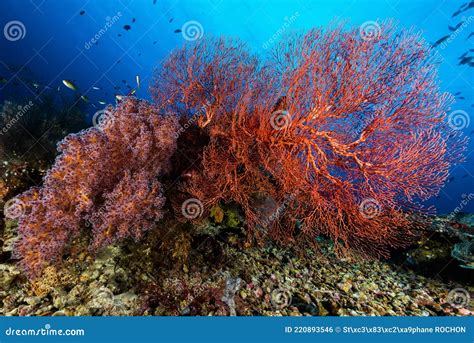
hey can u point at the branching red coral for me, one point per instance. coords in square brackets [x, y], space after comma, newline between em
[334, 134]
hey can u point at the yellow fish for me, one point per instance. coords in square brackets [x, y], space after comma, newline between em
[70, 85]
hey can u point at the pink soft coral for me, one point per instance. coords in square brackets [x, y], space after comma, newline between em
[106, 176]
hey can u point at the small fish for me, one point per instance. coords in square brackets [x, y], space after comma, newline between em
[439, 41]
[118, 61]
[133, 20]
[101, 102]
[464, 176]
[138, 80]
[139, 54]
[70, 85]
[154, 42]
[82, 12]
[124, 81]
[120, 35]
[457, 93]
[96, 88]
[463, 8]
[177, 31]
[470, 35]
[132, 92]
[455, 27]
[127, 27]
[36, 85]
[461, 97]
[171, 20]
[154, 2]
[465, 60]
[85, 98]
[119, 97]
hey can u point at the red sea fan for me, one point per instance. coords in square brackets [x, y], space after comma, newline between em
[335, 133]
[106, 177]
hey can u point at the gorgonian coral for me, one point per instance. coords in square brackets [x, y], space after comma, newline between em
[333, 134]
[105, 178]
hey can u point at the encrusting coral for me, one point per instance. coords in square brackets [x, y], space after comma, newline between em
[332, 135]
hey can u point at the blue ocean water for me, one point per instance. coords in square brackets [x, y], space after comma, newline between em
[90, 43]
